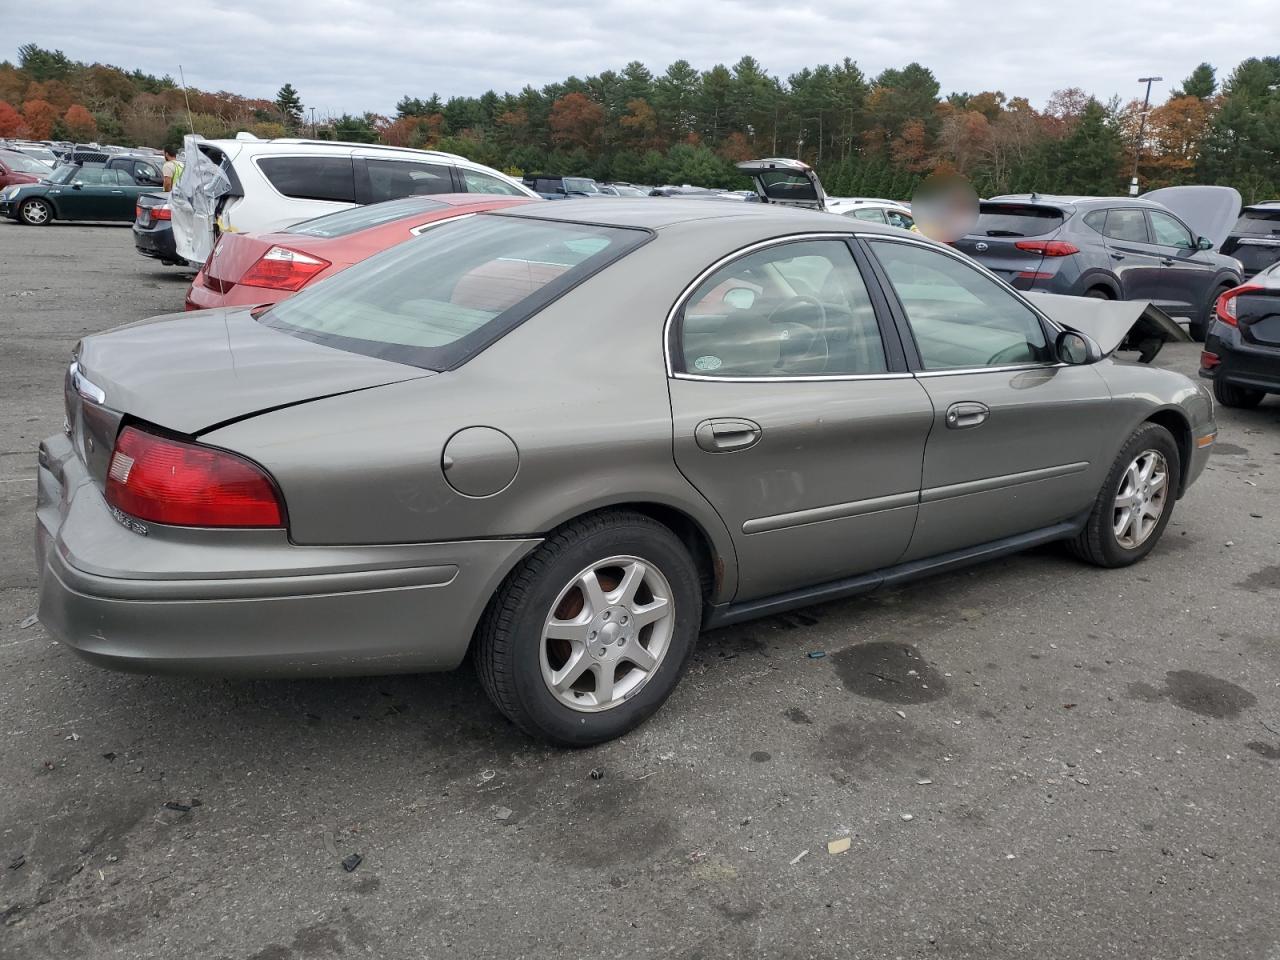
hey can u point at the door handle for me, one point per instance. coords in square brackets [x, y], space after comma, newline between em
[726, 435]
[1166, 261]
[117, 191]
[967, 413]
[1117, 256]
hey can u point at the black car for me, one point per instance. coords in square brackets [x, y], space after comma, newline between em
[555, 187]
[1242, 351]
[153, 229]
[1159, 247]
[1255, 239]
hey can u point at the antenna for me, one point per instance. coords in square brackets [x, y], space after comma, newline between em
[191, 122]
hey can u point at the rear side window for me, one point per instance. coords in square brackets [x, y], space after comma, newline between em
[391, 179]
[440, 298]
[1127, 225]
[1262, 222]
[1096, 221]
[311, 178]
[346, 222]
[478, 182]
[1007, 220]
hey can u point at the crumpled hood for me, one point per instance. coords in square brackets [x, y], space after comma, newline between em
[192, 371]
[1111, 322]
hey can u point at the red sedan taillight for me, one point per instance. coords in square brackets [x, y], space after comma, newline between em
[1048, 248]
[171, 481]
[1226, 305]
[283, 269]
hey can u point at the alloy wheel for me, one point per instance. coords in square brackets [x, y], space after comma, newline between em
[1141, 499]
[35, 212]
[607, 633]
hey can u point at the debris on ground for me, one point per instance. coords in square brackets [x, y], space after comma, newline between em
[486, 776]
[72, 736]
[30, 621]
[908, 817]
[839, 845]
[351, 862]
[817, 654]
[597, 773]
[502, 813]
[179, 807]
[798, 857]
[901, 713]
[923, 782]
[17, 862]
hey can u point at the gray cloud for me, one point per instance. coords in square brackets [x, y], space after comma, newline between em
[355, 55]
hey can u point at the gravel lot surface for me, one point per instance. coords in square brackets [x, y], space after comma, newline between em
[1031, 758]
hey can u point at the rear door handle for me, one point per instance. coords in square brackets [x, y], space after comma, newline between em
[726, 435]
[967, 413]
[1166, 261]
[1117, 256]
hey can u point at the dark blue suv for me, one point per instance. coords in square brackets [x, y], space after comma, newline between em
[1115, 248]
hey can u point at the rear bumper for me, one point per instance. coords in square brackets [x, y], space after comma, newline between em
[249, 602]
[200, 297]
[157, 244]
[1241, 363]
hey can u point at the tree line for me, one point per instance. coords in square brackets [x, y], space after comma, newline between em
[870, 136]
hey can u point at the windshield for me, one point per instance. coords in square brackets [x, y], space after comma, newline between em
[24, 164]
[346, 222]
[580, 185]
[437, 300]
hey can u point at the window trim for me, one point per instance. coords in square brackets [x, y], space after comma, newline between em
[914, 361]
[878, 303]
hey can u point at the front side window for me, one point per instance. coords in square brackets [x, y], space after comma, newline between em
[438, 299]
[392, 179]
[868, 213]
[1127, 225]
[1169, 232]
[795, 309]
[478, 182]
[960, 318]
[311, 178]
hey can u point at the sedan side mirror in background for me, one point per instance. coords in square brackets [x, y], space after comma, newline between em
[78, 185]
[1075, 349]
[1204, 243]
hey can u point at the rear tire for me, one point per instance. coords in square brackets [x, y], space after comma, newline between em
[1230, 395]
[1099, 293]
[1199, 329]
[1113, 537]
[528, 644]
[35, 213]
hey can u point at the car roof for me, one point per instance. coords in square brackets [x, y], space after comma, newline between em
[258, 145]
[657, 214]
[1052, 200]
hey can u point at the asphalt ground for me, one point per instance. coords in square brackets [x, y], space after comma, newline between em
[1032, 758]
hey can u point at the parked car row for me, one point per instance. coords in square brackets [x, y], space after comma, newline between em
[105, 191]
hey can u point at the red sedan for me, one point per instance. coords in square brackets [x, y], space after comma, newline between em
[247, 269]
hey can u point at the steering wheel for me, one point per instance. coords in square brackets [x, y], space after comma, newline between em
[1003, 358]
[797, 300]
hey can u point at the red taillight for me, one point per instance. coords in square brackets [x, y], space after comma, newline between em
[163, 212]
[1034, 275]
[1048, 248]
[169, 481]
[1226, 305]
[1209, 360]
[283, 269]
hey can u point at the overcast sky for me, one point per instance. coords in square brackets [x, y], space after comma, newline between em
[356, 55]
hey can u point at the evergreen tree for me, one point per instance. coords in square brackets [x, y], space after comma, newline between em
[290, 105]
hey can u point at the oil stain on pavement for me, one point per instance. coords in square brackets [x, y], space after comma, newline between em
[1265, 750]
[892, 672]
[1230, 450]
[1200, 693]
[1268, 578]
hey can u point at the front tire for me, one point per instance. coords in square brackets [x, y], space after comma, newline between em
[1135, 502]
[1230, 395]
[1199, 329]
[590, 634]
[35, 213]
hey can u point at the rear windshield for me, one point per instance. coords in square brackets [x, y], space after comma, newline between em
[1256, 221]
[439, 299]
[345, 222]
[1005, 220]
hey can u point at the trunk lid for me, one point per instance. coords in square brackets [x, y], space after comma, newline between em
[1208, 210]
[192, 372]
[792, 183]
[1001, 225]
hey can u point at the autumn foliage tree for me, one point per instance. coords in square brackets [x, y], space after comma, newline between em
[576, 121]
[39, 117]
[79, 123]
[10, 120]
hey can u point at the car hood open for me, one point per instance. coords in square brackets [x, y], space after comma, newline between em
[190, 372]
[1138, 324]
[1208, 210]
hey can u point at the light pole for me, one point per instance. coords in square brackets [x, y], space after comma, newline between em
[1142, 131]
[313, 123]
[819, 119]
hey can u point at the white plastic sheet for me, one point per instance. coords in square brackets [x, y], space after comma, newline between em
[195, 201]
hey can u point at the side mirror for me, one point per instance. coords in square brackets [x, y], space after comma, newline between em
[1204, 243]
[78, 185]
[1075, 349]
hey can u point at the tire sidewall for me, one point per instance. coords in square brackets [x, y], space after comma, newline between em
[1149, 437]
[572, 727]
[26, 204]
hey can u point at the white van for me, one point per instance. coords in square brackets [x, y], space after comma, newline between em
[257, 186]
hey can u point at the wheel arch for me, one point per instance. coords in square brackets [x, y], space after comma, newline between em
[1100, 280]
[1176, 422]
